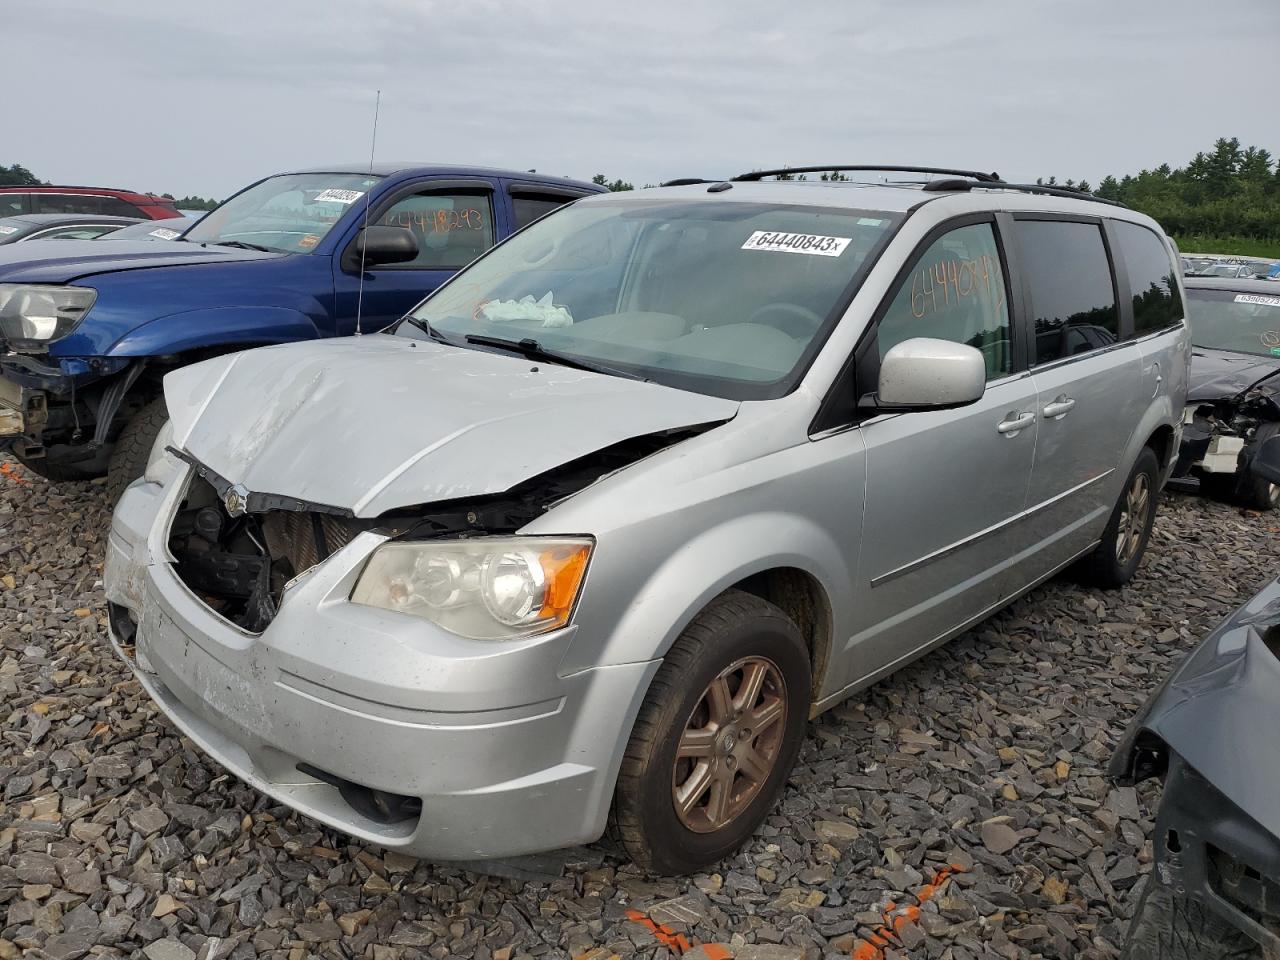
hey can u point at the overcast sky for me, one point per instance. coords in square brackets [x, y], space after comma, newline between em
[202, 98]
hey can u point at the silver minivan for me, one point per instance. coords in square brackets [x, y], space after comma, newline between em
[596, 529]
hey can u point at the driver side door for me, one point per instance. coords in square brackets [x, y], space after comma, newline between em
[945, 488]
[453, 222]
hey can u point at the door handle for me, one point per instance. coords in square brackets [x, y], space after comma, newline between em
[1014, 423]
[1058, 408]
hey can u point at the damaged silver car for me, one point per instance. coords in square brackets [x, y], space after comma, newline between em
[1231, 433]
[599, 526]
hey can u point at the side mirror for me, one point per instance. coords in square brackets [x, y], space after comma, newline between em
[928, 374]
[378, 244]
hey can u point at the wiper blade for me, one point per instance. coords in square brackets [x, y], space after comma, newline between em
[429, 330]
[240, 244]
[533, 350]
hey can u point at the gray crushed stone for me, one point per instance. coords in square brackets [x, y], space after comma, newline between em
[119, 839]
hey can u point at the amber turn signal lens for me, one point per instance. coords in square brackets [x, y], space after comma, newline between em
[563, 568]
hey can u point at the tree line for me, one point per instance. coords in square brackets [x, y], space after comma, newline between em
[1225, 200]
[19, 176]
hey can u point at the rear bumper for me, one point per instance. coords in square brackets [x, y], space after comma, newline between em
[491, 752]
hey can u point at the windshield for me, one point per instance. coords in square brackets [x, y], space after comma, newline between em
[719, 297]
[1243, 322]
[289, 213]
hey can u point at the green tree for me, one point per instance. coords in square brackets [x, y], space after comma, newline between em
[1225, 199]
[613, 185]
[18, 176]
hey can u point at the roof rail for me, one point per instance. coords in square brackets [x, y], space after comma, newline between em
[971, 174]
[1074, 193]
[685, 182]
[79, 186]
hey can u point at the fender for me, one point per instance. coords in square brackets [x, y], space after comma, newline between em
[681, 588]
[214, 326]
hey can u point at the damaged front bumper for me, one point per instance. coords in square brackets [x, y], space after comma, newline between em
[1210, 732]
[24, 410]
[377, 724]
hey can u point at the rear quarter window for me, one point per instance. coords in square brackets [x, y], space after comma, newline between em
[1152, 278]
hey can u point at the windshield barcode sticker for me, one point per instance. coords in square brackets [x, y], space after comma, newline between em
[5, 230]
[1256, 298]
[164, 233]
[797, 243]
[339, 196]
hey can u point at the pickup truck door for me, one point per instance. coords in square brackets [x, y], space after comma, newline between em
[454, 221]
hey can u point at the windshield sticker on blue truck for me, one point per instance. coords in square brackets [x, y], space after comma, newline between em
[164, 233]
[797, 243]
[339, 196]
[5, 230]
[1258, 298]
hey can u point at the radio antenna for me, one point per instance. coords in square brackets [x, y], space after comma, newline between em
[373, 145]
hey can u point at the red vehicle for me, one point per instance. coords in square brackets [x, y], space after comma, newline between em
[15, 201]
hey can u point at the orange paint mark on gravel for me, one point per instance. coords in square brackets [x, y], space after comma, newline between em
[895, 918]
[677, 943]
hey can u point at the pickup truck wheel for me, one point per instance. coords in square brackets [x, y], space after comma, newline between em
[1115, 560]
[716, 736]
[133, 447]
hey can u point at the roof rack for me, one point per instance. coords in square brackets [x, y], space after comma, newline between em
[840, 168]
[1074, 193]
[685, 182]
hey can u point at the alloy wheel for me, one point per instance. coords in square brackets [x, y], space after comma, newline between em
[1133, 518]
[729, 745]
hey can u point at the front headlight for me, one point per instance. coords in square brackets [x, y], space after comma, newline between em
[487, 588]
[33, 315]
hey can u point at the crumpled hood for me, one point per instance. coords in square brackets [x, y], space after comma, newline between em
[63, 261]
[1217, 374]
[374, 423]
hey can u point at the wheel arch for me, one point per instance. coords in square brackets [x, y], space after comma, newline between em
[801, 596]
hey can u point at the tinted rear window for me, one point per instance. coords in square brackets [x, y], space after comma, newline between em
[529, 208]
[1156, 301]
[1065, 265]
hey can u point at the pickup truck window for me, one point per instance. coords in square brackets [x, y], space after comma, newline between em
[529, 208]
[452, 229]
[288, 214]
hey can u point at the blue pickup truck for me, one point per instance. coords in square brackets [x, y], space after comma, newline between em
[88, 329]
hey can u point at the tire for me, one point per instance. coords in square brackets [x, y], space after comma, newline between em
[133, 447]
[1258, 493]
[738, 635]
[1171, 927]
[1124, 542]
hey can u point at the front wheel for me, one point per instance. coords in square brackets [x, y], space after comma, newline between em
[1259, 493]
[1116, 558]
[716, 737]
[133, 447]
[1167, 926]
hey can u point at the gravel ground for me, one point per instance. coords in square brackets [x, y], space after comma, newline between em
[967, 791]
